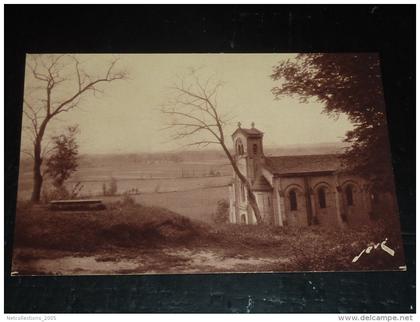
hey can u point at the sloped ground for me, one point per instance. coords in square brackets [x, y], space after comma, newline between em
[128, 238]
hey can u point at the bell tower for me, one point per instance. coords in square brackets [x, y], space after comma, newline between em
[249, 153]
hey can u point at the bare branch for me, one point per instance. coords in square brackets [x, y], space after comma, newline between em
[193, 110]
[27, 153]
[47, 73]
[203, 143]
[47, 150]
[109, 77]
[36, 74]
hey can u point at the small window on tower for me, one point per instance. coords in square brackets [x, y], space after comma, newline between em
[239, 147]
[255, 149]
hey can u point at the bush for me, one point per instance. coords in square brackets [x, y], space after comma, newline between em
[127, 201]
[61, 193]
[112, 189]
[221, 216]
[62, 163]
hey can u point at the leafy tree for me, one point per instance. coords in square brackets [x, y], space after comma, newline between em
[350, 84]
[63, 160]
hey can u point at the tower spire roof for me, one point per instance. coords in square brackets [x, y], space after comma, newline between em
[252, 132]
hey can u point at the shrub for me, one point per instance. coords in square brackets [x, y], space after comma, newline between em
[61, 193]
[62, 163]
[58, 193]
[127, 201]
[221, 216]
[112, 189]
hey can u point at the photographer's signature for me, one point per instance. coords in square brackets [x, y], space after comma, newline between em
[367, 250]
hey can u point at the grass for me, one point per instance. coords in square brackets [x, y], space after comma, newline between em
[127, 230]
[197, 197]
[198, 204]
[314, 248]
[121, 225]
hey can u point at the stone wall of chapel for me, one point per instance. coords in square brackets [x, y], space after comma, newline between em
[358, 213]
[327, 216]
[355, 214]
[297, 217]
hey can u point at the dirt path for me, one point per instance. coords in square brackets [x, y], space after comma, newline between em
[166, 261]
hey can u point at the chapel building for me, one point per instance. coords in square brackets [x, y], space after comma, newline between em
[297, 190]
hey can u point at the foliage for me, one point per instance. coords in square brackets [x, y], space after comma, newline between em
[350, 84]
[127, 201]
[62, 163]
[221, 216]
[62, 193]
[213, 173]
[111, 189]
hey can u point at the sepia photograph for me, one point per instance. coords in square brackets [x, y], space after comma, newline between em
[205, 163]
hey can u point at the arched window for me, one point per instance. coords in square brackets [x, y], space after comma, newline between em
[293, 200]
[349, 195]
[255, 148]
[322, 200]
[239, 147]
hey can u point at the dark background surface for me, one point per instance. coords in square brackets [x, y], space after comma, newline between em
[389, 30]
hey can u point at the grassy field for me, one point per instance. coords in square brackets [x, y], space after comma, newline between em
[144, 178]
[128, 238]
[192, 188]
[197, 204]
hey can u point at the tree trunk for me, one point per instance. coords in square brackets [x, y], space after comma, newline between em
[251, 197]
[253, 203]
[37, 184]
[37, 176]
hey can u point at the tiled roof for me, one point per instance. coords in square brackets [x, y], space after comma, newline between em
[249, 132]
[302, 164]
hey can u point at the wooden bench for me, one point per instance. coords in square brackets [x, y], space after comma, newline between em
[77, 205]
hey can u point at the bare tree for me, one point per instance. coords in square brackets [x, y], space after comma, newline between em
[56, 84]
[193, 111]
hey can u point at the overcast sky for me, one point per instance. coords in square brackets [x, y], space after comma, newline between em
[126, 118]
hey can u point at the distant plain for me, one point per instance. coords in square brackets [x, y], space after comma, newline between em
[187, 182]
